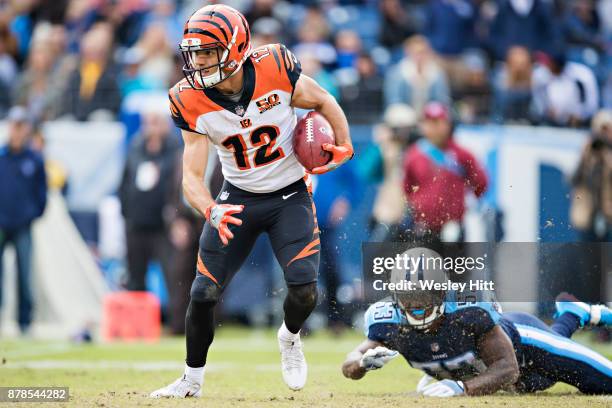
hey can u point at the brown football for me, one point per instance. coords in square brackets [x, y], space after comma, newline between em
[311, 132]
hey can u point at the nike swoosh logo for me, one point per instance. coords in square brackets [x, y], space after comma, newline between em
[289, 195]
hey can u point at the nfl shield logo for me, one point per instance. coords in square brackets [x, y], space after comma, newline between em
[435, 347]
[239, 110]
[224, 196]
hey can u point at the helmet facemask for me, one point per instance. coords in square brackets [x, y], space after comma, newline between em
[420, 304]
[421, 309]
[225, 67]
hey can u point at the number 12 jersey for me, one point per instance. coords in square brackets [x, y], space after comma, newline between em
[253, 135]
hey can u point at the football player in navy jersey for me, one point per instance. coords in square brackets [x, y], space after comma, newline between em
[472, 348]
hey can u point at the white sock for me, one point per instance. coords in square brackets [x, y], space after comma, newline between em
[195, 374]
[595, 314]
[285, 334]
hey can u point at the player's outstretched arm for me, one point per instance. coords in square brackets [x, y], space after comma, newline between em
[352, 367]
[195, 158]
[309, 95]
[497, 352]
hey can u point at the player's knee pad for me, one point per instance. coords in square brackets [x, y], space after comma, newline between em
[302, 272]
[305, 295]
[203, 289]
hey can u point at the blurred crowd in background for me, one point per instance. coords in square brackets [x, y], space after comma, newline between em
[532, 62]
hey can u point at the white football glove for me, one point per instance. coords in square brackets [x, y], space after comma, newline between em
[444, 388]
[375, 358]
[424, 382]
[219, 215]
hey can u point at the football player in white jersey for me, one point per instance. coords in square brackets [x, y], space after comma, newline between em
[242, 101]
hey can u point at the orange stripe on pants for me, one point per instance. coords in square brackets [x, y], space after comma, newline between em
[204, 271]
[307, 251]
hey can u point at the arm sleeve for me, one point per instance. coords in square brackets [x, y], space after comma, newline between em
[477, 321]
[475, 176]
[382, 333]
[42, 188]
[177, 115]
[293, 67]
[381, 322]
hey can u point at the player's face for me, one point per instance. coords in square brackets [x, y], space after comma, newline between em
[207, 60]
[418, 310]
[419, 306]
[436, 131]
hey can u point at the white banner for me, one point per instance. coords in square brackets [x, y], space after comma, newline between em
[92, 153]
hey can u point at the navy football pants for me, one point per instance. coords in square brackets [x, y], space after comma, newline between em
[546, 357]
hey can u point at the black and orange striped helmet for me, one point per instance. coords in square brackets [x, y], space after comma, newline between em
[215, 27]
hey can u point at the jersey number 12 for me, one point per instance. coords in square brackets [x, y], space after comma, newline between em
[263, 137]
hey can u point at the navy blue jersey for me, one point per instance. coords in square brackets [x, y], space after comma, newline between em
[451, 352]
[544, 355]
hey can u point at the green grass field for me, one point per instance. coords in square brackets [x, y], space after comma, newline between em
[243, 371]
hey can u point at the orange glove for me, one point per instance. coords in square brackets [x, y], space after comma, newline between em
[219, 215]
[340, 155]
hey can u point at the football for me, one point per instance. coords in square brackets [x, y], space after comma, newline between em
[311, 132]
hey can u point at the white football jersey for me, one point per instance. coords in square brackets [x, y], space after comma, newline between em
[254, 135]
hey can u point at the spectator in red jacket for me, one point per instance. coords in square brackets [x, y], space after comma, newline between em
[437, 173]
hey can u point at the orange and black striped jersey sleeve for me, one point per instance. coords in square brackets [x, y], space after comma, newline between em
[292, 65]
[183, 114]
[177, 108]
[276, 58]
